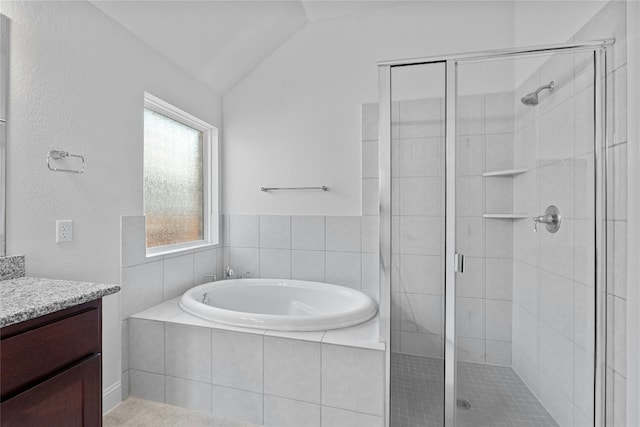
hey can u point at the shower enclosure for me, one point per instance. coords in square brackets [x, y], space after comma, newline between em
[493, 237]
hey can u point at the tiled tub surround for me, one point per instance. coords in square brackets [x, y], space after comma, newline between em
[553, 273]
[340, 250]
[12, 267]
[332, 378]
[26, 298]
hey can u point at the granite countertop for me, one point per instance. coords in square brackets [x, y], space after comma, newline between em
[29, 297]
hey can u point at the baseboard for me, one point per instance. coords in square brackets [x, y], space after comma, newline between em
[111, 397]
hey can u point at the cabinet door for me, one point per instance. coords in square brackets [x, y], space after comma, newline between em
[70, 399]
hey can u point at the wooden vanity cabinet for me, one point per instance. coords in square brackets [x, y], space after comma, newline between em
[50, 369]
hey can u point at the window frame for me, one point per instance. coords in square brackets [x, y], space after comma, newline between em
[210, 176]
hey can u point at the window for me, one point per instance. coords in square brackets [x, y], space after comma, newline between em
[180, 178]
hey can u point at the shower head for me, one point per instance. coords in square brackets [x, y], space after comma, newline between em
[531, 99]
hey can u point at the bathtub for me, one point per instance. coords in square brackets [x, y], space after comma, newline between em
[279, 304]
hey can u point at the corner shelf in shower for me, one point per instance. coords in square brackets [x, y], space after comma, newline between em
[505, 216]
[507, 172]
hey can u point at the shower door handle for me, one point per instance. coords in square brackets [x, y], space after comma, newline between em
[458, 262]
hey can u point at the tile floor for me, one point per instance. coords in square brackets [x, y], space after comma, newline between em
[497, 395]
[135, 412]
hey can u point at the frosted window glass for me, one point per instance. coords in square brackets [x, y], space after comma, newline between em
[173, 181]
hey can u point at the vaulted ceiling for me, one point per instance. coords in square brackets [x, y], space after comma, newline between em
[220, 42]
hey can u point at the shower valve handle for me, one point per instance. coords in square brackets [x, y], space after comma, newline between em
[551, 219]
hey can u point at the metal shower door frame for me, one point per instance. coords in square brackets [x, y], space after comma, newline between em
[601, 137]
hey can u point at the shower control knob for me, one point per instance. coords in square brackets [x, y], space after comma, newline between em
[551, 219]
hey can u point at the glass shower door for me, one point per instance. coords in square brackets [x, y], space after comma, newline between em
[525, 224]
[417, 256]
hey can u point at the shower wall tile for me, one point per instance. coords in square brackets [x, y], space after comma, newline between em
[420, 157]
[498, 197]
[421, 274]
[584, 191]
[421, 313]
[421, 118]
[558, 404]
[421, 196]
[558, 68]
[472, 282]
[498, 320]
[499, 239]
[619, 77]
[584, 317]
[470, 196]
[498, 352]
[470, 318]
[470, 236]
[499, 278]
[470, 115]
[583, 107]
[583, 382]
[555, 251]
[470, 350]
[556, 359]
[470, 148]
[584, 251]
[500, 150]
[427, 345]
[557, 302]
[420, 235]
[499, 112]
[555, 140]
[617, 186]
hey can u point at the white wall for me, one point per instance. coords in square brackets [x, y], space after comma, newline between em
[76, 83]
[295, 121]
[540, 22]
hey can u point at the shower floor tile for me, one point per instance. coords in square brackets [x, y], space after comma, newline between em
[498, 397]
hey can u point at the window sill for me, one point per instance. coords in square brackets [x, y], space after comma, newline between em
[186, 249]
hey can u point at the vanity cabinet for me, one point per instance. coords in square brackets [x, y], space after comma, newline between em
[50, 369]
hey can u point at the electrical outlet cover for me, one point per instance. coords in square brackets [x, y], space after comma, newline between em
[64, 231]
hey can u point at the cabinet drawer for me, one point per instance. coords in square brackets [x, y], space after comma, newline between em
[34, 355]
[71, 398]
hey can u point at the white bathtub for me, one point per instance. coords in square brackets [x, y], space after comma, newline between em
[282, 305]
